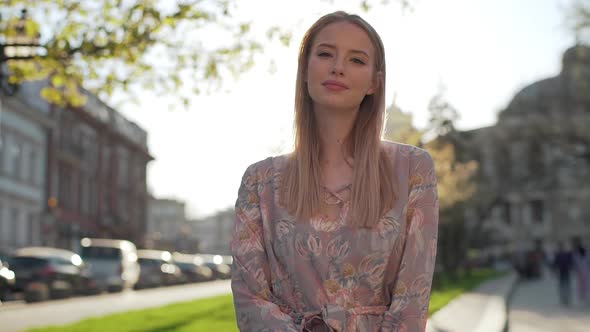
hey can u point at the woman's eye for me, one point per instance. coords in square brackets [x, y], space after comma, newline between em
[359, 61]
[324, 54]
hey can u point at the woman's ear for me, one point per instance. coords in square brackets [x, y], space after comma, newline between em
[375, 83]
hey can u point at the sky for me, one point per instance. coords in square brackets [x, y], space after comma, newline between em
[482, 51]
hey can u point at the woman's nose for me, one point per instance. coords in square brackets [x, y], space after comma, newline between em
[337, 67]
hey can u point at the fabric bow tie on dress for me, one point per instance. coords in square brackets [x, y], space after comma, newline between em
[329, 319]
[334, 318]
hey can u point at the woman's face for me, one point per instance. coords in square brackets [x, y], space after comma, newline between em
[340, 67]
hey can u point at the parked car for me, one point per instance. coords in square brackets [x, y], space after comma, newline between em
[157, 269]
[4, 256]
[6, 281]
[193, 267]
[221, 270]
[113, 263]
[48, 273]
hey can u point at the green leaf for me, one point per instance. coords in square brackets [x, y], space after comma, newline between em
[52, 95]
[58, 81]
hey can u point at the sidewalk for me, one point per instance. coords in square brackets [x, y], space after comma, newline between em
[535, 307]
[481, 310]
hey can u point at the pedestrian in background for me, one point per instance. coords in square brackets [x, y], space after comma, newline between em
[340, 234]
[582, 269]
[563, 264]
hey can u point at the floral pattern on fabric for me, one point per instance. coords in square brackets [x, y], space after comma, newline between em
[324, 275]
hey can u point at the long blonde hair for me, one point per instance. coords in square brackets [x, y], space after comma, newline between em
[373, 191]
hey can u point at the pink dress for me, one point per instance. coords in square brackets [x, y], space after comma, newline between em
[324, 275]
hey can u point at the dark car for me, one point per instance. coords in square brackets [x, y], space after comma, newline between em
[6, 281]
[157, 269]
[193, 267]
[220, 265]
[47, 273]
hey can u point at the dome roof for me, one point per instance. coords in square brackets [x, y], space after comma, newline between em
[576, 55]
[571, 84]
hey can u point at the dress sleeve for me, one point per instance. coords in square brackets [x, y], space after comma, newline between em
[253, 298]
[408, 311]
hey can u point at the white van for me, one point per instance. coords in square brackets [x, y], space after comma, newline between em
[113, 263]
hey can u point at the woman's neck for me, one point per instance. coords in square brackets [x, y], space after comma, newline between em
[333, 128]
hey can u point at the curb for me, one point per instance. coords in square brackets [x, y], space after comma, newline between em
[494, 314]
[508, 301]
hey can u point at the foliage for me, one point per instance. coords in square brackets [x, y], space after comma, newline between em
[457, 183]
[108, 45]
[455, 178]
[442, 114]
[399, 127]
[175, 48]
[579, 16]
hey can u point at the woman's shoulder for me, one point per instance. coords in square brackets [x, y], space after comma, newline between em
[267, 167]
[404, 152]
[260, 166]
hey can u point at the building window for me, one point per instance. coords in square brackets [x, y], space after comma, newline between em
[537, 211]
[25, 163]
[106, 162]
[65, 186]
[536, 160]
[14, 222]
[4, 226]
[13, 156]
[507, 213]
[32, 229]
[33, 166]
[123, 167]
[93, 198]
[2, 149]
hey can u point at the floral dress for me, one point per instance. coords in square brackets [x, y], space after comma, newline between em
[324, 275]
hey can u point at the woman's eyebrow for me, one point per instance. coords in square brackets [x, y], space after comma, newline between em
[333, 47]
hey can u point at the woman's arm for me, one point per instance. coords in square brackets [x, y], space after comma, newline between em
[255, 309]
[411, 291]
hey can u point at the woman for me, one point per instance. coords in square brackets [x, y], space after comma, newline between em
[339, 235]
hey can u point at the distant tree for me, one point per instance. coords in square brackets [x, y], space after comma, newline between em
[399, 127]
[442, 114]
[579, 17]
[456, 184]
[116, 45]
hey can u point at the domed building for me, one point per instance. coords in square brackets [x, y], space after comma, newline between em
[535, 162]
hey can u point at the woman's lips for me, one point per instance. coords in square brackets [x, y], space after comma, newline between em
[334, 85]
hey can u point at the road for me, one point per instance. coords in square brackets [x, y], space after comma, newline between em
[21, 316]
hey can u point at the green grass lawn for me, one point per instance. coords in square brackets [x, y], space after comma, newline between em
[217, 314]
[448, 290]
[205, 315]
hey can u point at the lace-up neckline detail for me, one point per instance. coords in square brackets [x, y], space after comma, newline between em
[338, 196]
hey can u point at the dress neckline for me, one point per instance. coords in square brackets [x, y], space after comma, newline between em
[334, 197]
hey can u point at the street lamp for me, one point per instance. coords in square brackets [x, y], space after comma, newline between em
[17, 46]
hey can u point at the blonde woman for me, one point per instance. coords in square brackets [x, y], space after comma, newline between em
[340, 234]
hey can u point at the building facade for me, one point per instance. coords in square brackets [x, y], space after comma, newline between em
[67, 173]
[97, 186]
[24, 124]
[168, 227]
[536, 161]
[214, 232]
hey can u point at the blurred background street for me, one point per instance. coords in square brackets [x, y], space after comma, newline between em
[126, 127]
